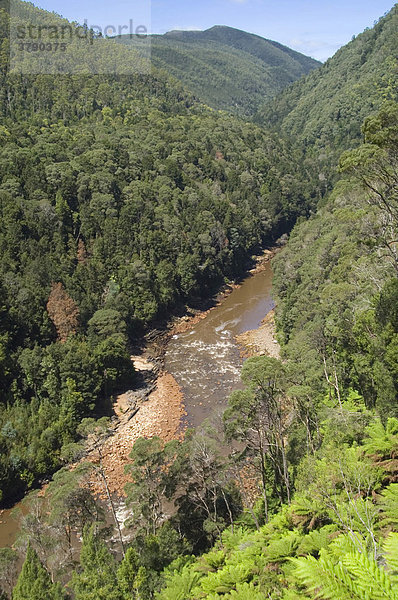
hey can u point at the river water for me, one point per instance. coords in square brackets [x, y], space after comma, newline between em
[205, 360]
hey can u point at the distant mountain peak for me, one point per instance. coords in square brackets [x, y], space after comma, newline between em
[228, 68]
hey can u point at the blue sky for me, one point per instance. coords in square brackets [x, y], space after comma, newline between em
[317, 28]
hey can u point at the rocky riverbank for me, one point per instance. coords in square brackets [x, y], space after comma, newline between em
[260, 341]
[156, 409]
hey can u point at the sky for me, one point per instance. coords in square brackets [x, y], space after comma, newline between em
[316, 28]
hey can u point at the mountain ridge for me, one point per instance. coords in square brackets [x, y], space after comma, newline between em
[220, 31]
[227, 68]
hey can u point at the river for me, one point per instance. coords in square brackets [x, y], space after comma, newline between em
[205, 360]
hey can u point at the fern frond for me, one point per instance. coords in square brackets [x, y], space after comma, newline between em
[245, 591]
[211, 561]
[370, 581]
[232, 540]
[324, 578]
[316, 540]
[226, 579]
[389, 507]
[283, 547]
[344, 544]
[308, 514]
[390, 548]
[180, 584]
[343, 573]
[382, 441]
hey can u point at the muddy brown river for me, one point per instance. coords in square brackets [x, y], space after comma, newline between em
[205, 361]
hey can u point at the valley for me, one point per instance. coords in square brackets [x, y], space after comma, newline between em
[165, 442]
[180, 398]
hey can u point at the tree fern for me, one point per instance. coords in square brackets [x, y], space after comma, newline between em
[280, 549]
[382, 441]
[370, 581]
[358, 515]
[388, 504]
[227, 578]
[308, 514]
[324, 578]
[245, 591]
[180, 584]
[232, 540]
[293, 594]
[344, 544]
[316, 540]
[211, 561]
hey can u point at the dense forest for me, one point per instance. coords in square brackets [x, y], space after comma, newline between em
[122, 198]
[224, 67]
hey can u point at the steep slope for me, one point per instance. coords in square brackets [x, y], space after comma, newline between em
[322, 113]
[227, 68]
[335, 282]
[325, 110]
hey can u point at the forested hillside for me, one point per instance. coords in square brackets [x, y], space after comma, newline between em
[324, 111]
[320, 426]
[227, 68]
[120, 197]
[344, 263]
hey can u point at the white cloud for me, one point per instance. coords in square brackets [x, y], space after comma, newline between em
[180, 28]
[319, 49]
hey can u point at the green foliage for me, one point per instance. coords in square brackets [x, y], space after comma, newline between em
[257, 416]
[212, 561]
[179, 584]
[71, 504]
[280, 549]
[226, 579]
[210, 499]
[351, 575]
[131, 198]
[382, 441]
[388, 504]
[34, 582]
[308, 513]
[128, 573]
[302, 545]
[105, 323]
[128, 197]
[391, 552]
[336, 292]
[325, 110]
[152, 481]
[245, 591]
[226, 68]
[97, 579]
[8, 568]
[314, 541]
